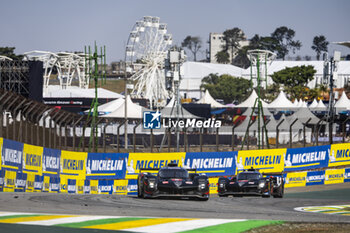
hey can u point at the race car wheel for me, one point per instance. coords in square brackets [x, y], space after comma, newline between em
[280, 193]
[139, 194]
[268, 193]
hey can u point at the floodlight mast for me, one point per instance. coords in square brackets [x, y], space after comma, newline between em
[258, 57]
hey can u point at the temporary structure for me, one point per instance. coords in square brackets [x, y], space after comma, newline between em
[109, 107]
[320, 106]
[208, 99]
[249, 102]
[169, 111]
[134, 111]
[313, 104]
[282, 103]
[343, 103]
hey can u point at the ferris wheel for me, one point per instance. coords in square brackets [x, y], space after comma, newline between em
[145, 53]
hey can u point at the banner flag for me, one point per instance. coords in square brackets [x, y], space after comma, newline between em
[269, 160]
[306, 158]
[339, 155]
[315, 178]
[38, 183]
[347, 175]
[94, 186]
[46, 184]
[21, 179]
[132, 187]
[32, 159]
[135, 161]
[105, 186]
[106, 166]
[10, 180]
[54, 184]
[72, 186]
[80, 186]
[213, 187]
[11, 155]
[212, 163]
[334, 176]
[73, 164]
[295, 179]
[51, 162]
[120, 187]
[30, 182]
[2, 180]
[87, 187]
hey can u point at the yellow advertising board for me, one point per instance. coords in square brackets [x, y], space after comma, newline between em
[295, 179]
[80, 186]
[213, 187]
[94, 186]
[9, 181]
[46, 184]
[265, 160]
[150, 160]
[30, 182]
[64, 184]
[73, 164]
[120, 187]
[334, 176]
[1, 142]
[32, 159]
[339, 155]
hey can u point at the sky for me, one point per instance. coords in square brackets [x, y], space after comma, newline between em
[69, 25]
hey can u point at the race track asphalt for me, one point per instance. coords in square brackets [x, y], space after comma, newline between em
[216, 207]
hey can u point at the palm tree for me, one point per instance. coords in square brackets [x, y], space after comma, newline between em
[320, 44]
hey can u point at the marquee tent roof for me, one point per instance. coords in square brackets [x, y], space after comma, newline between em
[134, 111]
[284, 125]
[343, 103]
[54, 91]
[313, 104]
[281, 102]
[304, 114]
[249, 102]
[320, 106]
[208, 99]
[109, 107]
[169, 111]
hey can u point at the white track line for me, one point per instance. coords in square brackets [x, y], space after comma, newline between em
[66, 220]
[183, 225]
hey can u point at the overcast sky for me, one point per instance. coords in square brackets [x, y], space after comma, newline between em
[68, 25]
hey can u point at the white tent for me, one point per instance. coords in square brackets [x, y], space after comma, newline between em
[169, 111]
[343, 103]
[296, 102]
[320, 106]
[134, 111]
[54, 91]
[281, 102]
[109, 107]
[304, 114]
[208, 99]
[313, 104]
[249, 102]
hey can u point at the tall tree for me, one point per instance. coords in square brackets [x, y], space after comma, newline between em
[284, 38]
[294, 79]
[232, 38]
[320, 44]
[193, 44]
[222, 57]
[9, 52]
[226, 87]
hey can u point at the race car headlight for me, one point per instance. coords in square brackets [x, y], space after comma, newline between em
[221, 185]
[261, 185]
[151, 185]
[201, 184]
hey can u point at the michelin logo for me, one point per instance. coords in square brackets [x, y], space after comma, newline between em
[151, 120]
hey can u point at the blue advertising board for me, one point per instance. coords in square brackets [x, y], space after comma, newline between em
[212, 163]
[87, 188]
[2, 179]
[21, 180]
[315, 178]
[132, 187]
[72, 185]
[38, 183]
[51, 162]
[12, 155]
[105, 186]
[347, 175]
[297, 159]
[54, 184]
[106, 166]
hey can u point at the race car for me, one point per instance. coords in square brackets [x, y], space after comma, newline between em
[252, 183]
[172, 181]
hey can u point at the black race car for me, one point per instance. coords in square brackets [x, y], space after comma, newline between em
[172, 181]
[252, 183]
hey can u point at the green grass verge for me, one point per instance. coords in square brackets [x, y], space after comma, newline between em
[234, 227]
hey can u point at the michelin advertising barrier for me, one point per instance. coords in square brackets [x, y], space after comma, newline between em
[27, 168]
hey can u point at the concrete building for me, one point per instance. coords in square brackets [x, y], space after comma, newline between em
[217, 43]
